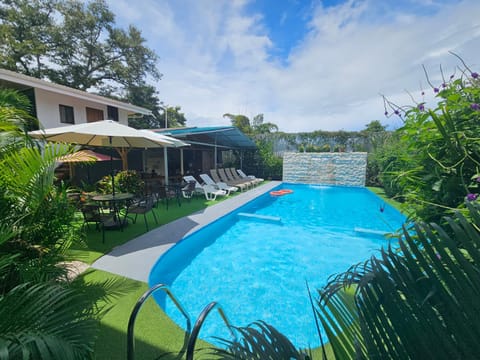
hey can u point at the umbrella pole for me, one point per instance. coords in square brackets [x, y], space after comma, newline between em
[111, 168]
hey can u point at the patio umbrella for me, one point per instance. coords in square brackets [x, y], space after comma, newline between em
[84, 156]
[107, 133]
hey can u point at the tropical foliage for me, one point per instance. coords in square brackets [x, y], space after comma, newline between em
[438, 153]
[43, 314]
[419, 303]
[263, 161]
[259, 341]
[128, 181]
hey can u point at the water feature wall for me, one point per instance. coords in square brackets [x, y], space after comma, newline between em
[347, 169]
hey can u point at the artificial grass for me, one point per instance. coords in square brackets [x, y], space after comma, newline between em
[92, 247]
[155, 334]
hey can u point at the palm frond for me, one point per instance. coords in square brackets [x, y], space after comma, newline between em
[46, 321]
[259, 340]
[421, 302]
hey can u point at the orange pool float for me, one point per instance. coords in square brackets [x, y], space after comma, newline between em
[281, 192]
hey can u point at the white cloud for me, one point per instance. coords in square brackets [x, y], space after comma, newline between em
[215, 59]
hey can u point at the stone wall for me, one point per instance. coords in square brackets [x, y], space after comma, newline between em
[347, 169]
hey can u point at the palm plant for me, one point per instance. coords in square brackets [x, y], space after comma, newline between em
[419, 301]
[42, 314]
[259, 341]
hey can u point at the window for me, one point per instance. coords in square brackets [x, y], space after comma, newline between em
[66, 114]
[94, 114]
[112, 113]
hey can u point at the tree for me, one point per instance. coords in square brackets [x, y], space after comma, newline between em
[262, 161]
[90, 51]
[242, 122]
[146, 96]
[26, 33]
[73, 43]
[175, 118]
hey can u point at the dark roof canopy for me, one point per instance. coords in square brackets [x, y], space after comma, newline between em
[221, 136]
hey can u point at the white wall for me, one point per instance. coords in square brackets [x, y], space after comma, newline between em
[49, 114]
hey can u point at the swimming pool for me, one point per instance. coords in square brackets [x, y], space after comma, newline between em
[256, 267]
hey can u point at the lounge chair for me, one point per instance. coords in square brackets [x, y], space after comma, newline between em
[211, 192]
[251, 177]
[220, 176]
[234, 177]
[220, 185]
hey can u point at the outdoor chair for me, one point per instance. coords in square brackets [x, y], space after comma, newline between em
[242, 175]
[93, 214]
[167, 193]
[198, 186]
[219, 185]
[228, 178]
[211, 193]
[143, 206]
[189, 190]
[232, 174]
[220, 176]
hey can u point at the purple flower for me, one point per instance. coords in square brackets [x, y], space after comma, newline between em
[444, 85]
[423, 93]
[386, 113]
[477, 179]
[472, 197]
[452, 76]
[435, 90]
[421, 107]
[474, 75]
[475, 106]
[397, 112]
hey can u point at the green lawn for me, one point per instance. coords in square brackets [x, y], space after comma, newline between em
[156, 335]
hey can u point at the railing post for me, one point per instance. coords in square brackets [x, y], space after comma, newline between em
[136, 310]
[198, 325]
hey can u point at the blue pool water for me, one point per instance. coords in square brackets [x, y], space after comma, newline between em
[258, 268]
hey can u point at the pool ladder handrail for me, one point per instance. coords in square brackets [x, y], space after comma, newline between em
[138, 306]
[200, 321]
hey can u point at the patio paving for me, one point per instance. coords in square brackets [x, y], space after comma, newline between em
[135, 258]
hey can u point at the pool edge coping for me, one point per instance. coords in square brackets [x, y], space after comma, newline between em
[136, 258]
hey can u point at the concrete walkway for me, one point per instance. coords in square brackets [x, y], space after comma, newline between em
[135, 258]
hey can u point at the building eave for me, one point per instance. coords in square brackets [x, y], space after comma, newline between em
[13, 77]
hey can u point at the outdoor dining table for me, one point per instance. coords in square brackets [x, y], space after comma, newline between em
[115, 202]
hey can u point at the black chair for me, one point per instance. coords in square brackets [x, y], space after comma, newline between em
[188, 190]
[92, 214]
[167, 193]
[143, 206]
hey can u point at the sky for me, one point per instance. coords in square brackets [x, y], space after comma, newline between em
[305, 65]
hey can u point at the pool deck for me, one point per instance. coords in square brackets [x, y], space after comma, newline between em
[135, 258]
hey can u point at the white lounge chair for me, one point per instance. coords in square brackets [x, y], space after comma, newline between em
[220, 185]
[252, 177]
[211, 192]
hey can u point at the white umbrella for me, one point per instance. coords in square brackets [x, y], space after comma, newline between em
[107, 133]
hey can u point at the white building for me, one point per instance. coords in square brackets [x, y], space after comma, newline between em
[55, 105]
